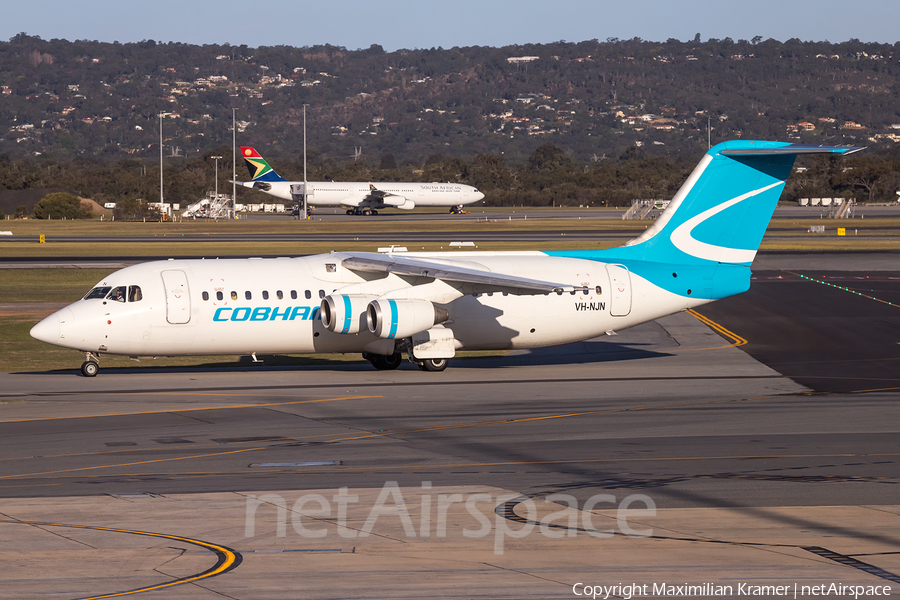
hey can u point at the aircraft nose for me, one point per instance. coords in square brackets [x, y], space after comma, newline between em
[47, 330]
[50, 330]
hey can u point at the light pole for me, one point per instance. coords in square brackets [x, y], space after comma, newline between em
[217, 159]
[233, 162]
[160, 160]
[305, 184]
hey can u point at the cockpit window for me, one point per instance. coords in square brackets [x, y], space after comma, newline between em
[134, 293]
[98, 292]
[117, 294]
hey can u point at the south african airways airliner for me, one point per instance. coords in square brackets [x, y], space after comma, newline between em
[430, 305]
[358, 198]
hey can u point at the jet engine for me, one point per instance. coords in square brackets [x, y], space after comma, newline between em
[345, 313]
[400, 202]
[388, 318]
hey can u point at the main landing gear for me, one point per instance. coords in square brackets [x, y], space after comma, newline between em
[433, 364]
[90, 367]
[362, 211]
[392, 361]
[384, 363]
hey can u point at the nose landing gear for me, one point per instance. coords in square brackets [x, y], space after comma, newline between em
[90, 367]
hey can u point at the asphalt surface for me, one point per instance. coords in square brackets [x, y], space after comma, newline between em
[784, 210]
[827, 330]
[381, 236]
[666, 407]
[767, 462]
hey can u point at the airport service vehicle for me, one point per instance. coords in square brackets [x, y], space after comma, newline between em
[359, 198]
[429, 305]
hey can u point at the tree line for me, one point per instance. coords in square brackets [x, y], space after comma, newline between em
[550, 177]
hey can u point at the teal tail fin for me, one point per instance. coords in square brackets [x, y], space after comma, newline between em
[722, 211]
[712, 228]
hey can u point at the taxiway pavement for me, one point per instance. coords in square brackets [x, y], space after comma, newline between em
[747, 473]
[227, 483]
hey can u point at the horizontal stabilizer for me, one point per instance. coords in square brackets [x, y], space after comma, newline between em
[792, 149]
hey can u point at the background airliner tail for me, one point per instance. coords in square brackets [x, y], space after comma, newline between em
[258, 167]
[722, 211]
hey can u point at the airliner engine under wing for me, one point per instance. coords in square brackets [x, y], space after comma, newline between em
[359, 198]
[429, 305]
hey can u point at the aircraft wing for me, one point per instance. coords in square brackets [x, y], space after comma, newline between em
[422, 267]
[388, 198]
[378, 200]
[374, 192]
[353, 200]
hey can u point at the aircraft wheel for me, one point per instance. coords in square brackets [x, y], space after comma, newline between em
[367, 212]
[374, 212]
[89, 368]
[349, 211]
[392, 361]
[385, 363]
[433, 364]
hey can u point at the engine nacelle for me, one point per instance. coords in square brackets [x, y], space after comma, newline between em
[400, 202]
[345, 313]
[388, 318]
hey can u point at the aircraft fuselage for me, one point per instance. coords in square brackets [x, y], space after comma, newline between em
[244, 306]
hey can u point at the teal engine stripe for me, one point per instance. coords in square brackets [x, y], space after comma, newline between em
[395, 317]
[347, 314]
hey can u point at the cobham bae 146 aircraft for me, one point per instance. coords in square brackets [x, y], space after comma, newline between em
[359, 198]
[430, 305]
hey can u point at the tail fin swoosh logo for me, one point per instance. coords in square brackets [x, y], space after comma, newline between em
[683, 239]
[258, 167]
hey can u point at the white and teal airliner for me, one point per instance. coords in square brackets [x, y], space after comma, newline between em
[430, 305]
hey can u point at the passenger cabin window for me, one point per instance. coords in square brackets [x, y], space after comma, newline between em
[233, 295]
[205, 296]
[308, 294]
[248, 295]
[135, 294]
[293, 294]
[117, 294]
[321, 293]
[265, 295]
[279, 294]
[219, 296]
[97, 292]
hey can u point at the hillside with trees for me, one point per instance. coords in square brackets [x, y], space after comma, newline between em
[587, 123]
